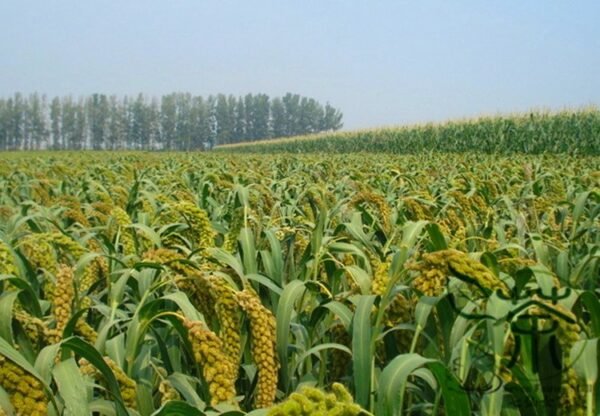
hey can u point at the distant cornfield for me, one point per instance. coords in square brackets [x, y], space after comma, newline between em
[353, 284]
[573, 132]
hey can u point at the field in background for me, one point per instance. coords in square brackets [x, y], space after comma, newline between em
[574, 132]
[206, 284]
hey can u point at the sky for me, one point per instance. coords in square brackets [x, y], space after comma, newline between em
[381, 62]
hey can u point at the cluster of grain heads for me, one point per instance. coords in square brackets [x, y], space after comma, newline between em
[123, 223]
[40, 254]
[7, 261]
[228, 313]
[35, 329]
[433, 270]
[126, 384]
[311, 401]
[189, 280]
[262, 334]
[26, 393]
[198, 232]
[376, 203]
[330, 245]
[217, 369]
[62, 302]
[235, 226]
[167, 392]
[95, 270]
[381, 276]
[432, 273]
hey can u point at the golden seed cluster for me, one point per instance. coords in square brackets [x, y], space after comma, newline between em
[34, 328]
[62, 301]
[262, 332]
[310, 401]
[126, 384]
[381, 278]
[39, 252]
[167, 392]
[197, 290]
[25, 391]
[123, 221]
[237, 222]
[7, 261]
[228, 313]
[217, 369]
[382, 208]
[199, 230]
[434, 268]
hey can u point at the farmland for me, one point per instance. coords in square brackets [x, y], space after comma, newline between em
[225, 283]
[569, 131]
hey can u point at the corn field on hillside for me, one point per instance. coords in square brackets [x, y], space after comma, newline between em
[573, 132]
[351, 284]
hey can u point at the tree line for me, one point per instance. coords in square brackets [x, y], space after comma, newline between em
[177, 121]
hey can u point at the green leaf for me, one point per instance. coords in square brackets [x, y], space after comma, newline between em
[592, 304]
[361, 278]
[102, 407]
[7, 301]
[71, 387]
[178, 408]
[149, 233]
[456, 400]
[362, 349]
[88, 352]
[5, 403]
[584, 356]
[45, 361]
[227, 259]
[276, 257]
[291, 292]
[183, 385]
[265, 281]
[188, 310]
[318, 348]
[248, 253]
[393, 381]
[437, 237]
[341, 311]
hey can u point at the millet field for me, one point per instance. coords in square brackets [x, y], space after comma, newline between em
[437, 270]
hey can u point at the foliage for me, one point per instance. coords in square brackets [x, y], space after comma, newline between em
[177, 121]
[205, 284]
[575, 132]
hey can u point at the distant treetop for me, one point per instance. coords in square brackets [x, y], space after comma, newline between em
[177, 121]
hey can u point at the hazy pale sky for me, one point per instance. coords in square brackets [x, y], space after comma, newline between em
[380, 62]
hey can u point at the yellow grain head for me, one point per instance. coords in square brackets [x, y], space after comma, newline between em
[25, 391]
[62, 300]
[7, 260]
[218, 371]
[379, 205]
[312, 401]
[126, 384]
[262, 333]
[123, 222]
[228, 313]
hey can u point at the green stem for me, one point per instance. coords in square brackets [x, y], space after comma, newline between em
[463, 358]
